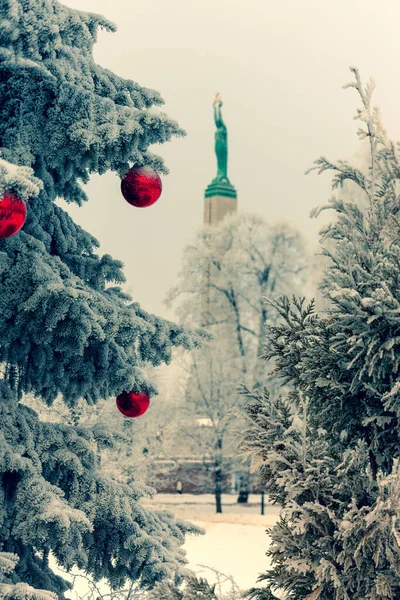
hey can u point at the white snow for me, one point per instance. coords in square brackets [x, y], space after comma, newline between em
[234, 549]
[235, 541]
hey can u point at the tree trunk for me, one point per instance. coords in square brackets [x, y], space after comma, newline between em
[260, 372]
[218, 477]
[372, 458]
[374, 465]
[218, 492]
[239, 336]
[243, 496]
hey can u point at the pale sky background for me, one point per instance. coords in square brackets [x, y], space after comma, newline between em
[279, 66]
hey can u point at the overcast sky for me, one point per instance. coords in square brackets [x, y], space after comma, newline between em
[279, 66]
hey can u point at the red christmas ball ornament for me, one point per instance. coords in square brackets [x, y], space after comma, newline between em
[141, 186]
[133, 404]
[12, 215]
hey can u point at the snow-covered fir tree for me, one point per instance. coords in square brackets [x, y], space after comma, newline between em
[329, 452]
[66, 328]
[198, 588]
[193, 588]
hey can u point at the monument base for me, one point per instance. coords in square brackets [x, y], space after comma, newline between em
[216, 208]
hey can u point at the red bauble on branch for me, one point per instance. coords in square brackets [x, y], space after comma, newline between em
[141, 186]
[133, 404]
[12, 215]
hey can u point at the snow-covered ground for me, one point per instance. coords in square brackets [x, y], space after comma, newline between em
[234, 543]
[234, 549]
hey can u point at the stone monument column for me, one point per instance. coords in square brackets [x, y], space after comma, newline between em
[220, 197]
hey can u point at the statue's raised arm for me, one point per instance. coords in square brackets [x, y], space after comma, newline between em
[217, 111]
[221, 141]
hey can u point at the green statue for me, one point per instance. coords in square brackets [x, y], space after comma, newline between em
[220, 185]
[221, 142]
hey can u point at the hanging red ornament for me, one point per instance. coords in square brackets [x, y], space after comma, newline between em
[133, 404]
[12, 215]
[141, 186]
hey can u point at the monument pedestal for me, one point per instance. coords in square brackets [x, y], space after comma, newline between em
[220, 199]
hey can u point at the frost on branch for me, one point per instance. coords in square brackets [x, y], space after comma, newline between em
[19, 591]
[19, 180]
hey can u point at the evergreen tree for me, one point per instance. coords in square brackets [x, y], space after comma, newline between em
[197, 588]
[329, 454]
[66, 327]
[194, 589]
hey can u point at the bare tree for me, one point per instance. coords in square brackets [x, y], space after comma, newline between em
[226, 274]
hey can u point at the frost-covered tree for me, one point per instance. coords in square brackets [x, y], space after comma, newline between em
[329, 454]
[194, 588]
[227, 270]
[198, 588]
[66, 328]
[125, 447]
